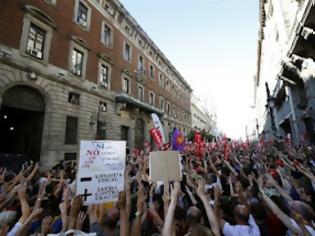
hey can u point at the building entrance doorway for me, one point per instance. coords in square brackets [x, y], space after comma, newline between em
[21, 122]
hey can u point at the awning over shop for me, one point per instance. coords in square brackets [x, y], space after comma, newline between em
[133, 102]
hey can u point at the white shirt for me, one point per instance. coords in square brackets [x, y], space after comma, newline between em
[242, 230]
[17, 227]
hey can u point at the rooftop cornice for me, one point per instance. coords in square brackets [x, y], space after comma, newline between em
[140, 31]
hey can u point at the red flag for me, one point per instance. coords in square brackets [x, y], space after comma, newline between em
[198, 141]
[157, 136]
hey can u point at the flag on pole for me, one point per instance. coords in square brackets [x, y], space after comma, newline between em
[158, 125]
[178, 140]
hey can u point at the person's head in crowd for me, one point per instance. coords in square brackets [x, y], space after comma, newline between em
[193, 216]
[241, 214]
[304, 210]
[111, 219]
[200, 230]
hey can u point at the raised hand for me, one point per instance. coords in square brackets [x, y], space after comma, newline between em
[74, 210]
[92, 212]
[75, 206]
[80, 220]
[152, 189]
[140, 200]
[175, 191]
[46, 223]
[201, 188]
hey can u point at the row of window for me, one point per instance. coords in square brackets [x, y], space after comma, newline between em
[38, 42]
[71, 132]
[35, 48]
[107, 39]
[83, 18]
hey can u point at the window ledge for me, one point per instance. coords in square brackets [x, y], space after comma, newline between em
[43, 62]
[85, 28]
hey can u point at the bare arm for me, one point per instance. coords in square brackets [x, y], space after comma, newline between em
[276, 210]
[191, 196]
[24, 204]
[210, 213]
[169, 219]
[230, 167]
[136, 227]
[124, 222]
[282, 192]
[32, 174]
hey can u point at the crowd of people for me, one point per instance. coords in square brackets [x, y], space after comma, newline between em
[252, 190]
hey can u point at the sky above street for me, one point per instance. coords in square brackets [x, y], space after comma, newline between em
[213, 44]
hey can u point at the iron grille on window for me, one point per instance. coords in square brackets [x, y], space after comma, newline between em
[104, 76]
[36, 41]
[71, 130]
[101, 130]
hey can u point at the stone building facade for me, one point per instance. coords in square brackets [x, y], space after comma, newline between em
[286, 69]
[74, 70]
[201, 117]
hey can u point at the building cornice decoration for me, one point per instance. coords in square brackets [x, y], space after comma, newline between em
[80, 41]
[138, 31]
[40, 15]
[106, 58]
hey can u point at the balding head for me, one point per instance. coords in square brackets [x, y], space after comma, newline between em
[241, 214]
[193, 216]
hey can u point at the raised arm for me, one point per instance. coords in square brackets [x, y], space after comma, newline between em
[32, 174]
[169, 219]
[275, 209]
[210, 213]
[282, 192]
[136, 227]
[124, 220]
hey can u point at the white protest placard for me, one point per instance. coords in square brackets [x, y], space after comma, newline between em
[165, 166]
[100, 174]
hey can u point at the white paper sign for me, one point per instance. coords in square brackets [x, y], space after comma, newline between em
[100, 175]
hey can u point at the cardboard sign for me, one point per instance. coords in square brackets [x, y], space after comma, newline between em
[165, 166]
[100, 174]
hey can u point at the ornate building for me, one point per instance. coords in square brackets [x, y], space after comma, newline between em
[74, 70]
[284, 84]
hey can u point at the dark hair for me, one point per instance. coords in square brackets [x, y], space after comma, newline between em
[240, 216]
[193, 216]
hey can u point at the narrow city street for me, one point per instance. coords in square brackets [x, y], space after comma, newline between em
[160, 117]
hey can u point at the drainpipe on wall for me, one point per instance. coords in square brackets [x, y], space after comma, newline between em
[295, 127]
